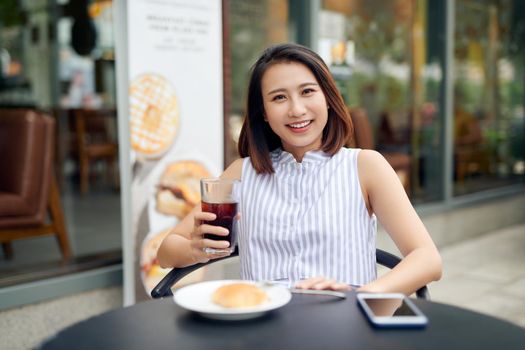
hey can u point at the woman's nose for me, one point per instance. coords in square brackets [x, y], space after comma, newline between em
[297, 109]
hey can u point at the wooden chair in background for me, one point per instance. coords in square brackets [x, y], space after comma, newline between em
[94, 143]
[29, 198]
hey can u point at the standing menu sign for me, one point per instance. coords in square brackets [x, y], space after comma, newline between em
[174, 105]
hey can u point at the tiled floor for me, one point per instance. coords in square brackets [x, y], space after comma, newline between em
[486, 274]
[26, 327]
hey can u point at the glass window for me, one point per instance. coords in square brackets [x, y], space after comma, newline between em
[489, 95]
[16, 81]
[253, 25]
[387, 58]
[78, 85]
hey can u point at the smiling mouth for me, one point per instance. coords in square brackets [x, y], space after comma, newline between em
[300, 125]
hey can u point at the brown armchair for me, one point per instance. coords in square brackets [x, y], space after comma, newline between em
[28, 191]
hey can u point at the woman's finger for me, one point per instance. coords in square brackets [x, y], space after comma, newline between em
[325, 284]
[204, 215]
[199, 254]
[218, 255]
[214, 230]
[321, 282]
[308, 283]
[200, 216]
[342, 287]
[210, 243]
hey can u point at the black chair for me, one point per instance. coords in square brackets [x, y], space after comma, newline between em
[163, 289]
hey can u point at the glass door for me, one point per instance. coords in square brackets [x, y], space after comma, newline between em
[489, 95]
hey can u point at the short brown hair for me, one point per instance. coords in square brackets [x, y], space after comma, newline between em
[257, 139]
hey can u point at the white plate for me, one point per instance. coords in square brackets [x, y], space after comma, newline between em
[197, 298]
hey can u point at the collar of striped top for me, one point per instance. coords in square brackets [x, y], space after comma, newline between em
[282, 157]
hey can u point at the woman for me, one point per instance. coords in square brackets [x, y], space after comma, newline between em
[309, 205]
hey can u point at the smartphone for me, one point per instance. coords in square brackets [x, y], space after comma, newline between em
[391, 310]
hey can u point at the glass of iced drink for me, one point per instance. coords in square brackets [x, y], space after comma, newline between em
[218, 196]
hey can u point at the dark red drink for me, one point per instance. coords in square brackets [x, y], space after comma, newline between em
[225, 213]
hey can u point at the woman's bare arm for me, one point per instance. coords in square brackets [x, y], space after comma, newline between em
[386, 198]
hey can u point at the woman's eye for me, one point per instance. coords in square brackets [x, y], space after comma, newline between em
[308, 91]
[278, 98]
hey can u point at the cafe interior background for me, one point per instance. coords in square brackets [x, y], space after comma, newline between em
[438, 87]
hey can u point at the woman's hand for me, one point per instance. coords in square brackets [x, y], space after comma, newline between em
[198, 243]
[322, 283]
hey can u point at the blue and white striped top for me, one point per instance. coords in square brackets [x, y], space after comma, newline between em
[307, 219]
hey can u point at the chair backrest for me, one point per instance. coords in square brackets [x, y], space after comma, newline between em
[163, 288]
[92, 124]
[363, 135]
[26, 153]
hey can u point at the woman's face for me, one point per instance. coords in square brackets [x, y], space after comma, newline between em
[295, 107]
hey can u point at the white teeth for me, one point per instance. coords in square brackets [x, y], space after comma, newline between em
[300, 125]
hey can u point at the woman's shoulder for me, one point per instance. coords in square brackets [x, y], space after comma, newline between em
[370, 159]
[369, 155]
[361, 155]
[372, 166]
[234, 170]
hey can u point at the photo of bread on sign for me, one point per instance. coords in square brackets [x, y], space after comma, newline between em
[154, 116]
[178, 189]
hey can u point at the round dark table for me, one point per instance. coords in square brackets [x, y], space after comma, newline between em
[307, 322]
